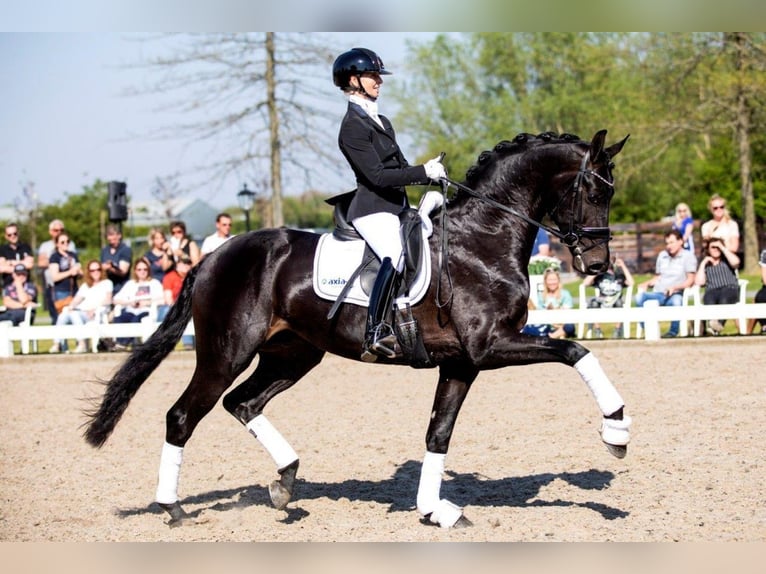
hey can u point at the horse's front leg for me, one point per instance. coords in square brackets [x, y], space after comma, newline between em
[451, 391]
[525, 350]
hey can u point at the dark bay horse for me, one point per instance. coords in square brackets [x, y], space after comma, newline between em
[254, 296]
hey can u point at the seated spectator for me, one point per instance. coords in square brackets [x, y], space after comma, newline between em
[46, 249]
[551, 296]
[182, 244]
[65, 269]
[19, 294]
[760, 297]
[675, 270]
[610, 285]
[717, 274]
[92, 298]
[159, 255]
[542, 244]
[171, 285]
[136, 299]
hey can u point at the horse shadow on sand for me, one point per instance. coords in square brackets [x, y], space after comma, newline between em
[399, 493]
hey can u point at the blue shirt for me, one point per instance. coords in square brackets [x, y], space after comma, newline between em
[540, 239]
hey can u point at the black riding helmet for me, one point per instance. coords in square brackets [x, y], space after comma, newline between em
[356, 62]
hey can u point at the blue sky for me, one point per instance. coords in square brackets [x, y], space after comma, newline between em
[66, 121]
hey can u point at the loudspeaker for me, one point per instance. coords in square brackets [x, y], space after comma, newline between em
[117, 201]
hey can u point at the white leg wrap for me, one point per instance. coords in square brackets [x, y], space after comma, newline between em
[442, 512]
[274, 443]
[616, 432]
[170, 469]
[607, 397]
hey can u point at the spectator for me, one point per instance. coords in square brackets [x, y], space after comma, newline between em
[542, 244]
[717, 272]
[684, 223]
[116, 257]
[610, 285]
[13, 253]
[221, 235]
[551, 296]
[674, 271]
[55, 228]
[136, 298]
[760, 297]
[182, 244]
[19, 294]
[92, 298]
[159, 255]
[721, 226]
[171, 286]
[65, 269]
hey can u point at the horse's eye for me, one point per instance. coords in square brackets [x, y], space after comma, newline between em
[610, 165]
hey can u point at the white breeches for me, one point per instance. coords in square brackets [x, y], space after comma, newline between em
[381, 231]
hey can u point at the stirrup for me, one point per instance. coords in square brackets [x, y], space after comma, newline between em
[378, 344]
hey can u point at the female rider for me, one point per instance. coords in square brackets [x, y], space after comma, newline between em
[368, 142]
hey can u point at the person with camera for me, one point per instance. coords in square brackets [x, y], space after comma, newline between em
[116, 257]
[717, 274]
[368, 142]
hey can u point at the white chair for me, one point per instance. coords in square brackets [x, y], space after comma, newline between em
[697, 299]
[687, 298]
[627, 301]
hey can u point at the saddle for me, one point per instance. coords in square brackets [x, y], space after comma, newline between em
[409, 233]
[412, 238]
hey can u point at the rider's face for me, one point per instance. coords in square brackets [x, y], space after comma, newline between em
[371, 82]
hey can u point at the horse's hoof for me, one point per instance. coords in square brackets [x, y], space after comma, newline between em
[462, 522]
[280, 496]
[617, 450]
[177, 514]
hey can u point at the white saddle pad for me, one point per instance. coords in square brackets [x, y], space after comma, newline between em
[335, 261]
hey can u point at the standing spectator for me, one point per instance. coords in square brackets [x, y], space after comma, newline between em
[610, 285]
[542, 244]
[552, 296]
[159, 255]
[221, 235]
[717, 272]
[13, 253]
[55, 228]
[65, 269]
[684, 223]
[760, 297]
[675, 270]
[722, 225]
[19, 294]
[182, 244]
[136, 298]
[171, 286]
[92, 298]
[116, 257]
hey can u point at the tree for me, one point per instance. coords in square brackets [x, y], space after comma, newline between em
[248, 94]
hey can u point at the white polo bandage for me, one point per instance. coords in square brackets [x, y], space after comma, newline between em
[170, 470]
[607, 397]
[274, 443]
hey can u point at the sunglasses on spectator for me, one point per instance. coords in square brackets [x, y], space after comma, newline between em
[717, 207]
[12, 234]
[142, 269]
[64, 242]
[177, 232]
[59, 229]
[95, 270]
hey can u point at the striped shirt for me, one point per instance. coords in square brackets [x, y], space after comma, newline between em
[721, 275]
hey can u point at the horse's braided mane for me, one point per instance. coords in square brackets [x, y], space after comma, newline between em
[519, 144]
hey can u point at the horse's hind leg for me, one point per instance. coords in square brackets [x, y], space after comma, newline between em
[281, 364]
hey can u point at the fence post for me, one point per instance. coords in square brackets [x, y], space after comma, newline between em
[651, 322]
[6, 345]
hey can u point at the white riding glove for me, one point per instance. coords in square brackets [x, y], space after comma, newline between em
[434, 169]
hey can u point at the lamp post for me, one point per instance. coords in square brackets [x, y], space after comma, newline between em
[246, 199]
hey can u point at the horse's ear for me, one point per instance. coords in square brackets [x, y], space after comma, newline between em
[614, 149]
[597, 145]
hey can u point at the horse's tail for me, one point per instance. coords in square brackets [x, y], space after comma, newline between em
[139, 366]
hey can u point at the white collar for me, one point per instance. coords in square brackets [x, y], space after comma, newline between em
[370, 107]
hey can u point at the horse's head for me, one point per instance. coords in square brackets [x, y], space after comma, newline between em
[581, 212]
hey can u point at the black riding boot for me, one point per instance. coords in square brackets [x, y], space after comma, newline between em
[379, 341]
